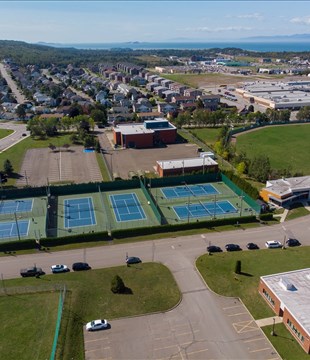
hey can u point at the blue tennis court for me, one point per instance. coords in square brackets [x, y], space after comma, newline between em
[189, 190]
[15, 206]
[79, 212]
[204, 209]
[11, 229]
[127, 207]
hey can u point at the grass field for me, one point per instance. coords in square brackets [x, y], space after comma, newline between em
[208, 135]
[89, 297]
[5, 132]
[218, 272]
[27, 325]
[286, 146]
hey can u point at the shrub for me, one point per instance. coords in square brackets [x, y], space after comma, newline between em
[117, 285]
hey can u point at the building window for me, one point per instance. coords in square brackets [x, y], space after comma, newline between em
[268, 297]
[295, 330]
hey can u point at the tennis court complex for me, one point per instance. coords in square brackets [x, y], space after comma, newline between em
[12, 229]
[204, 209]
[79, 212]
[189, 190]
[16, 206]
[127, 207]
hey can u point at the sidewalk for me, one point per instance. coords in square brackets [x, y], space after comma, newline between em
[269, 321]
[282, 216]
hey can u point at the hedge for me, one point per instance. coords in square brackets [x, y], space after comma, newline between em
[242, 184]
[266, 217]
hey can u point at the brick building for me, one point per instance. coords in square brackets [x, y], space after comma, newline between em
[288, 295]
[185, 166]
[146, 135]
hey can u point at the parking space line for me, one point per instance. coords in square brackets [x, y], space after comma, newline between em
[253, 351]
[231, 307]
[92, 350]
[100, 339]
[238, 314]
[165, 347]
[187, 333]
[256, 339]
[196, 352]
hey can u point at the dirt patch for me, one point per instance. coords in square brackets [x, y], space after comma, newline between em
[44, 165]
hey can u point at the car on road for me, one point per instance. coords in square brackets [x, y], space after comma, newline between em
[133, 260]
[79, 266]
[31, 271]
[232, 247]
[56, 269]
[214, 249]
[95, 325]
[273, 244]
[252, 246]
[292, 242]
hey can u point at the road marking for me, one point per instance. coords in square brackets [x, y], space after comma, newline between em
[203, 236]
[187, 333]
[238, 314]
[256, 339]
[253, 351]
[165, 347]
[196, 352]
[172, 247]
[245, 326]
[231, 307]
[89, 341]
[92, 350]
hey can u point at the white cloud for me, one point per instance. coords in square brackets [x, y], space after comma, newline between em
[256, 16]
[301, 20]
[219, 29]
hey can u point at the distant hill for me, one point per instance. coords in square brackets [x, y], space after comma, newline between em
[294, 37]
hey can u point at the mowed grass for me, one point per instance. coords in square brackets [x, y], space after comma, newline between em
[218, 272]
[208, 135]
[5, 132]
[286, 146]
[27, 325]
[89, 297]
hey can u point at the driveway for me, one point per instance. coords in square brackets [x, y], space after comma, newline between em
[15, 137]
[20, 98]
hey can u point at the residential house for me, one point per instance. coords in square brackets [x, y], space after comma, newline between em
[149, 115]
[210, 102]
[166, 108]
[192, 92]
[142, 108]
[178, 100]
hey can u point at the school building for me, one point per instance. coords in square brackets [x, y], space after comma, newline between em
[288, 295]
[186, 166]
[148, 134]
[285, 191]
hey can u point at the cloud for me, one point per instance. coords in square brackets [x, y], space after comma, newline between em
[256, 16]
[301, 20]
[219, 29]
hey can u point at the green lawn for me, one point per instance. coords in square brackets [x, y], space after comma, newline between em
[297, 210]
[27, 325]
[89, 297]
[5, 132]
[218, 272]
[208, 135]
[286, 146]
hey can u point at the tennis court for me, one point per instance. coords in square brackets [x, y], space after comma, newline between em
[127, 207]
[12, 229]
[189, 190]
[79, 212]
[204, 209]
[16, 206]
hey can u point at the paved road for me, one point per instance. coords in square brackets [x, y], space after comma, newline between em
[203, 326]
[15, 137]
[20, 98]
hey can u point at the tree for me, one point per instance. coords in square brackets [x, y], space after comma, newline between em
[117, 285]
[21, 112]
[8, 167]
[303, 113]
[260, 168]
[241, 168]
[99, 116]
[238, 267]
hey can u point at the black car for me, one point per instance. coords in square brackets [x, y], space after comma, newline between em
[292, 242]
[31, 271]
[78, 266]
[133, 260]
[213, 249]
[252, 246]
[232, 247]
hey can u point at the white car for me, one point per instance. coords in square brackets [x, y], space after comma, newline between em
[273, 244]
[97, 325]
[59, 268]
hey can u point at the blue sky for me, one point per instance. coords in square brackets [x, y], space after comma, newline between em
[150, 21]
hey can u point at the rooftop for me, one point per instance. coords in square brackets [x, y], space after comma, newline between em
[286, 186]
[186, 163]
[293, 290]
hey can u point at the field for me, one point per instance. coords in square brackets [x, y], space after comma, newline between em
[152, 288]
[218, 271]
[27, 325]
[286, 146]
[208, 135]
[5, 132]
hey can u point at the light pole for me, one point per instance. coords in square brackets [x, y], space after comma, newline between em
[188, 199]
[273, 332]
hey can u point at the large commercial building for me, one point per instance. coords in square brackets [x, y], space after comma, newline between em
[186, 166]
[288, 294]
[277, 95]
[146, 135]
[284, 191]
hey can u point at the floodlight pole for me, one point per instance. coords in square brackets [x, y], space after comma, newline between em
[241, 199]
[273, 332]
[17, 227]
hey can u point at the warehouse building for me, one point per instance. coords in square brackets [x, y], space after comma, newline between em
[288, 295]
[285, 191]
[150, 133]
[186, 166]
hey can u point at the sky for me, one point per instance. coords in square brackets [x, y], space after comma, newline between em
[69, 22]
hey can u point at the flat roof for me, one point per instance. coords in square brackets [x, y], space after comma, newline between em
[132, 129]
[296, 299]
[186, 163]
[287, 186]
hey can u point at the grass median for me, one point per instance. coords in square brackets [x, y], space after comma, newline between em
[218, 272]
[89, 297]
